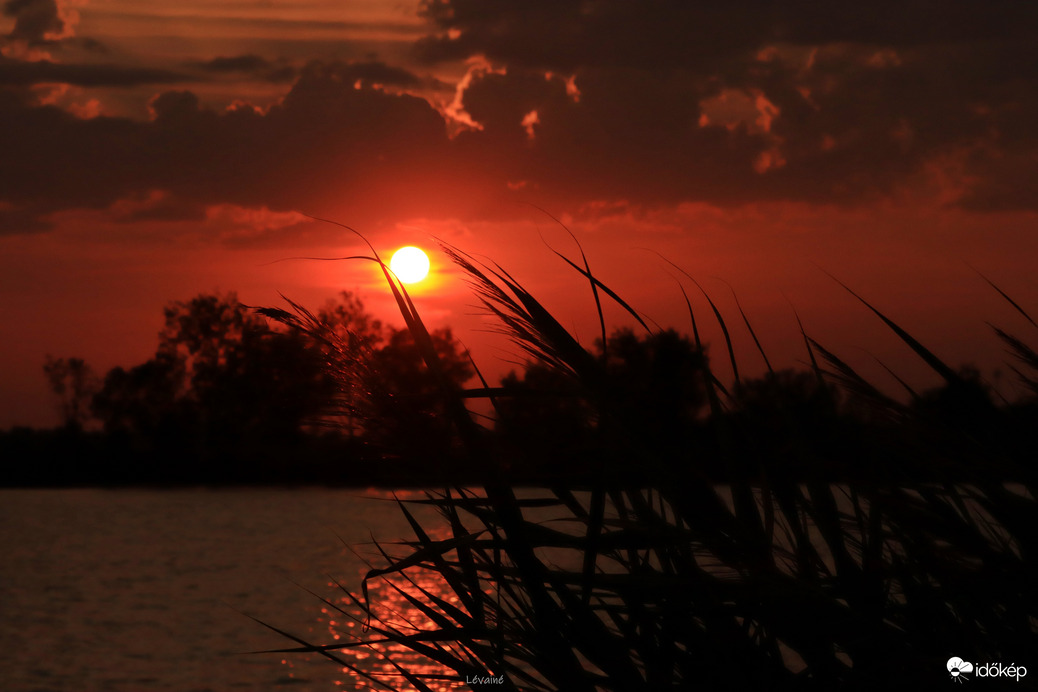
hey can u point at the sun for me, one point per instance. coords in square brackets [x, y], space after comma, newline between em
[410, 264]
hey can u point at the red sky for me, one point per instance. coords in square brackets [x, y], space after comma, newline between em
[151, 151]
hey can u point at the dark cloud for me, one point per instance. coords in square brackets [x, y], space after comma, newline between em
[698, 35]
[858, 99]
[367, 71]
[19, 73]
[35, 20]
[22, 220]
[326, 147]
[254, 65]
[376, 72]
[91, 45]
[156, 205]
[276, 25]
[612, 143]
[53, 161]
[902, 23]
[237, 63]
[571, 34]
[655, 104]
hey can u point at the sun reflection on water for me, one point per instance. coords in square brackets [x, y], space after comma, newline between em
[418, 599]
[390, 609]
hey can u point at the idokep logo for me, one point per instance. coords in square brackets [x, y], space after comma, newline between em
[960, 670]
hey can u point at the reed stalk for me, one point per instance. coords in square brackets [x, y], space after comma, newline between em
[802, 531]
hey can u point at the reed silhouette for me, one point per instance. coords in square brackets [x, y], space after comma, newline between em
[803, 530]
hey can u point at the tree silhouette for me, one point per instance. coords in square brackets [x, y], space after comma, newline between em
[144, 401]
[243, 379]
[404, 408]
[385, 394]
[224, 381]
[220, 376]
[74, 383]
[648, 392]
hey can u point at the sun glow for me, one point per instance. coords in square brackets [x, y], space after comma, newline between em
[410, 264]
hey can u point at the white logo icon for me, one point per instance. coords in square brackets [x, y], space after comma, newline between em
[958, 668]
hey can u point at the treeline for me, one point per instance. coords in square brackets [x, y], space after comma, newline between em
[232, 397]
[237, 395]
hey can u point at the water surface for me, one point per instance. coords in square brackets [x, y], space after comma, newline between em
[143, 590]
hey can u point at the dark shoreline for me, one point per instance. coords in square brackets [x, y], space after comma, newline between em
[74, 459]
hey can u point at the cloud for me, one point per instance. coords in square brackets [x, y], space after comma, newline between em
[19, 73]
[154, 205]
[631, 134]
[250, 64]
[88, 44]
[328, 146]
[39, 21]
[564, 103]
[570, 34]
[21, 220]
[701, 36]
[237, 63]
[376, 72]
[840, 104]
[369, 72]
[230, 223]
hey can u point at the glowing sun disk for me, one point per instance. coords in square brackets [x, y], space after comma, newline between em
[409, 264]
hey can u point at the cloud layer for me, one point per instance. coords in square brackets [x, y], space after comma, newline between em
[563, 104]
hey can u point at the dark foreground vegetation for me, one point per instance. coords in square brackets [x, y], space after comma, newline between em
[802, 531]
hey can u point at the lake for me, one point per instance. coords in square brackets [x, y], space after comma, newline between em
[151, 591]
[146, 590]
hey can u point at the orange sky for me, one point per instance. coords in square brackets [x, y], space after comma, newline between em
[153, 151]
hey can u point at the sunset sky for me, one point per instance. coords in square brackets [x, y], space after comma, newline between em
[153, 150]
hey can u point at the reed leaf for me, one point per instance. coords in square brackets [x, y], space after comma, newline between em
[935, 363]
[779, 579]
